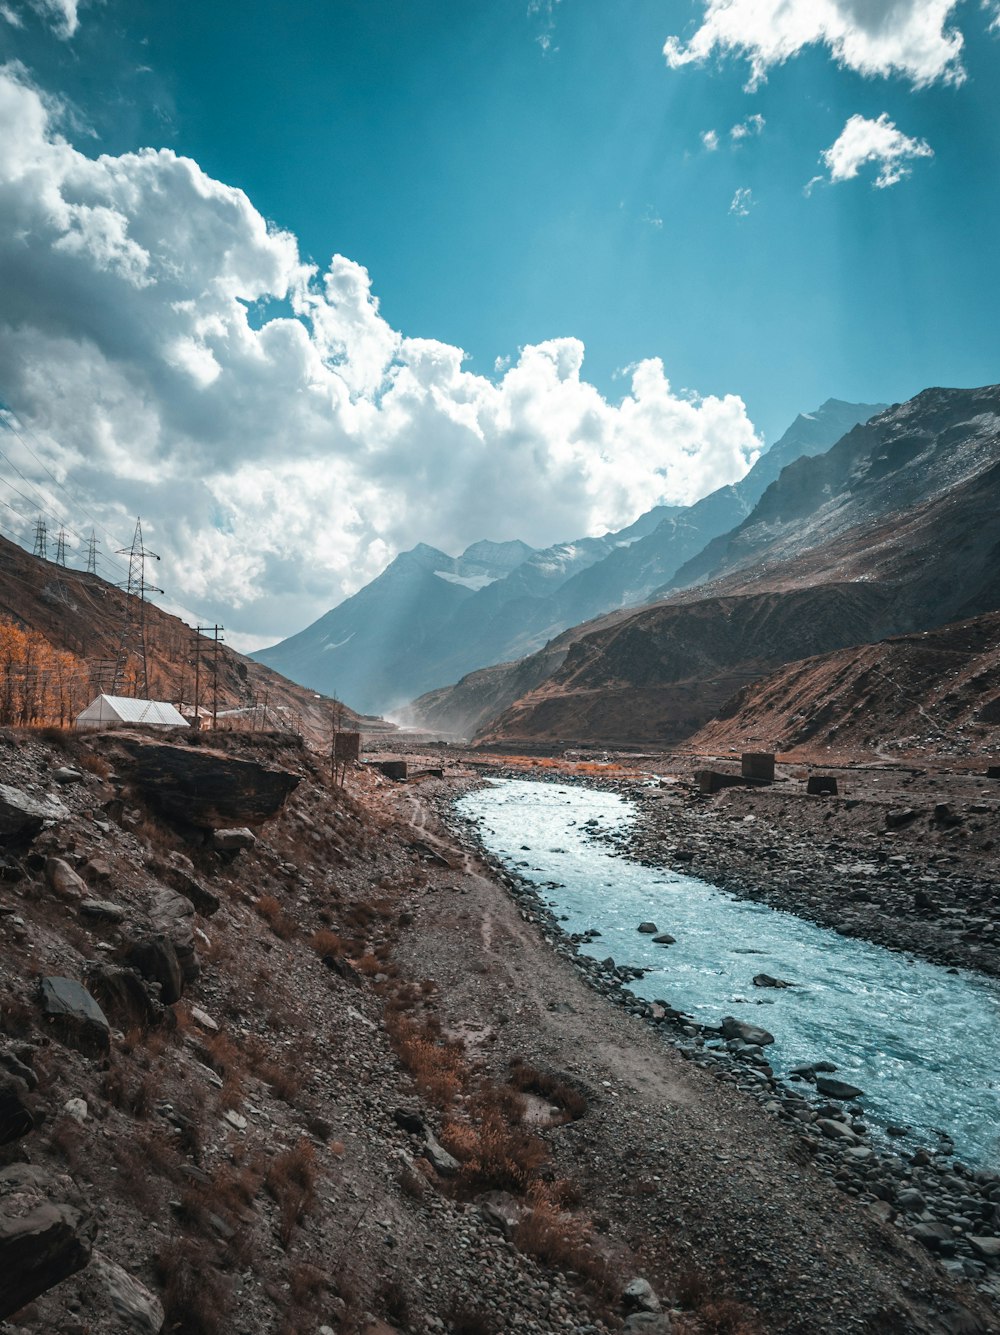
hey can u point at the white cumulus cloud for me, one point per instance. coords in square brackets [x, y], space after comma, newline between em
[742, 202]
[710, 140]
[63, 16]
[864, 141]
[911, 38]
[748, 129]
[167, 352]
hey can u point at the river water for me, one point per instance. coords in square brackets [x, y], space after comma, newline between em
[922, 1042]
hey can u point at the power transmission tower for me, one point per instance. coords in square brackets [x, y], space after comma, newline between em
[41, 547]
[61, 548]
[133, 635]
[215, 632]
[93, 543]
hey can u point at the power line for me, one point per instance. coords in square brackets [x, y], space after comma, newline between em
[93, 542]
[133, 636]
[41, 547]
[41, 463]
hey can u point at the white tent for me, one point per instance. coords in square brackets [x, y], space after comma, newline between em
[110, 711]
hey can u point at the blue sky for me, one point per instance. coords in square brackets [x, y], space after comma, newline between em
[512, 172]
[500, 194]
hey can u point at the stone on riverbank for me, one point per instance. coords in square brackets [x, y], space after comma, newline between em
[749, 1033]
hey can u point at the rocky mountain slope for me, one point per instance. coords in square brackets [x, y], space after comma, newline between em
[658, 675]
[902, 513]
[430, 618]
[82, 614]
[935, 690]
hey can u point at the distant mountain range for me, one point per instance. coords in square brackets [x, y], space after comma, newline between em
[430, 618]
[894, 530]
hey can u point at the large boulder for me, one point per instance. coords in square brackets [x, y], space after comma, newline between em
[204, 788]
[127, 999]
[46, 1234]
[74, 1015]
[155, 958]
[173, 914]
[749, 1033]
[23, 816]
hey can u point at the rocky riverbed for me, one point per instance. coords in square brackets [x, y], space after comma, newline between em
[947, 1207]
[904, 857]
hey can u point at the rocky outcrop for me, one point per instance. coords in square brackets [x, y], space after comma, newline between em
[22, 816]
[46, 1234]
[195, 786]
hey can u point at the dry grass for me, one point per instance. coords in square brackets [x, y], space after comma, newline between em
[281, 924]
[132, 1094]
[562, 1241]
[494, 1154]
[325, 942]
[556, 1089]
[16, 1017]
[195, 1298]
[436, 1067]
[93, 763]
[291, 1181]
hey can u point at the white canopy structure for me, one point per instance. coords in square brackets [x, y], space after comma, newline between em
[110, 711]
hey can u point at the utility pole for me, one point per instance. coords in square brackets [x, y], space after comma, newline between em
[41, 547]
[215, 632]
[133, 634]
[92, 544]
[61, 548]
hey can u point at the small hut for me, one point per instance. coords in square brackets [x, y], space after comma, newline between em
[116, 711]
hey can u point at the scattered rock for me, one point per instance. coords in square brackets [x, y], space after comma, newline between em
[987, 1249]
[638, 1295]
[409, 1120]
[77, 1109]
[103, 910]
[46, 1234]
[173, 914]
[765, 980]
[648, 927]
[233, 841]
[132, 1301]
[648, 1323]
[837, 1089]
[64, 880]
[123, 995]
[96, 871]
[66, 774]
[200, 787]
[664, 939]
[438, 1157]
[204, 1020]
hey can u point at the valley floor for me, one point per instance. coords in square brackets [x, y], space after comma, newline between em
[264, 1164]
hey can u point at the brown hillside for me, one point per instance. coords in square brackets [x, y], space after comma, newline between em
[936, 690]
[82, 614]
[662, 673]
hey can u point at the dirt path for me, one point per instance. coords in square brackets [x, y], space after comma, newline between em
[681, 1167]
